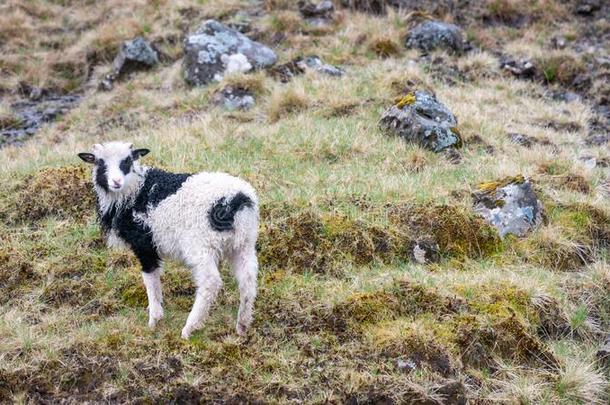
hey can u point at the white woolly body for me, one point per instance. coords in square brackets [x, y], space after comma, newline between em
[180, 226]
[180, 229]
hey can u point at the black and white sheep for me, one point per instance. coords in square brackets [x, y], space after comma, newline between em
[198, 219]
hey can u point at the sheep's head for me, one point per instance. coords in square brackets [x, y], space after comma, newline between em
[116, 165]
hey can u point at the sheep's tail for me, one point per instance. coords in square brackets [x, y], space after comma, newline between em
[222, 213]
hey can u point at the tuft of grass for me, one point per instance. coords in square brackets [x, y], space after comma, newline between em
[384, 47]
[560, 68]
[287, 101]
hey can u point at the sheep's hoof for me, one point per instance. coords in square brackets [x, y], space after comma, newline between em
[154, 317]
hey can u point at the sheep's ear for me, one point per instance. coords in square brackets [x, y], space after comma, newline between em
[138, 153]
[87, 157]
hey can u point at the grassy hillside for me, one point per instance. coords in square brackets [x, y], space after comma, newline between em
[343, 314]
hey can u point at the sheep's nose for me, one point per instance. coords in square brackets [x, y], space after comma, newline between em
[117, 182]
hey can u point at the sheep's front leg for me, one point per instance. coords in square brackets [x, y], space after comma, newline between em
[208, 282]
[152, 281]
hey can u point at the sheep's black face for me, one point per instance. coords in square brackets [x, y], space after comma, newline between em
[116, 165]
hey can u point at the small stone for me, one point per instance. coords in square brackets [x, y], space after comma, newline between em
[234, 98]
[431, 35]
[510, 205]
[407, 365]
[424, 251]
[588, 7]
[521, 139]
[523, 68]
[316, 64]
[558, 42]
[588, 161]
[285, 72]
[420, 118]
[323, 9]
[603, 354]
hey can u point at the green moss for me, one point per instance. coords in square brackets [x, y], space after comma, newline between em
[491, 187]
[59, 191]
[458, 232]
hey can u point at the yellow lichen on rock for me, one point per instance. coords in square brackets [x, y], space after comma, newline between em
[408, 99]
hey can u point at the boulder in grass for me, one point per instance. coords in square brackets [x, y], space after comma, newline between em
[136, 54]
[319, 14]
[430, 35]
[204, 49]
[420, 118]
[510, 205]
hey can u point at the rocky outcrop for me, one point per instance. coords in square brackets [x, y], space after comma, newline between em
[420, 118]
[204, 49]
[430, 35]
[510, 205]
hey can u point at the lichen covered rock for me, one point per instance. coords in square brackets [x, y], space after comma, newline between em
[420, 118]
[136, 54]
[431, 35]
[510, 205]
[204, 50]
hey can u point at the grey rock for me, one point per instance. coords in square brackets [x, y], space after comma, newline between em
[234, 98]
[204, 48]
[588, 7]
[425, 251]
[136, 54]
[588, 161]
[316, 64]
[286, 71]
[407, 365]
[323, 9]
[423, 120]
[559, 42]
[511, 206]
[522, 68]
[431, 35]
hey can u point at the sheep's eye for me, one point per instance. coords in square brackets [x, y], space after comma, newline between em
[126, 164]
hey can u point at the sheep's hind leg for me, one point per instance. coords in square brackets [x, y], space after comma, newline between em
[152, 282]
[245, 266]
[208, 282]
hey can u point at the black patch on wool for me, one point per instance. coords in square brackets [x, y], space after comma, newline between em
[222, 213]
[126, 164]
[158, 185]
[101, 178]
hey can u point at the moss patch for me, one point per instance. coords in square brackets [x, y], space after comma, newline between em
[59, 191]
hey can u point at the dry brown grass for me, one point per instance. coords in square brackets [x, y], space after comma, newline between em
[287, 101]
